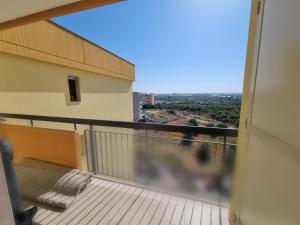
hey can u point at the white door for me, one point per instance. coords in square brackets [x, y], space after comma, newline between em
[271, 186]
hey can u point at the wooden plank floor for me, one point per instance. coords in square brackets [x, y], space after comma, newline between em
[106, 202]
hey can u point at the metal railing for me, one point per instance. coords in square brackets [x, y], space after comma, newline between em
[212, 131]
[175, 164]
[226, 132]
[135, 155]
[109, 153]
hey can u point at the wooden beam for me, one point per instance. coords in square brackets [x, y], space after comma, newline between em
[55, 12]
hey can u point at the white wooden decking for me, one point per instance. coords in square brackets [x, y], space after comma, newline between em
[106, 202]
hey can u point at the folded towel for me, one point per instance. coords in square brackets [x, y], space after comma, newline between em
[64, 192]
[36, 177]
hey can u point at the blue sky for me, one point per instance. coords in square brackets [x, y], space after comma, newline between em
[178, 46]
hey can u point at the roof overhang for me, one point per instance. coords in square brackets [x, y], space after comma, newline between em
[19, 12]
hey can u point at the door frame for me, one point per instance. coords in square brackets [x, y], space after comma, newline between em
[260, 6]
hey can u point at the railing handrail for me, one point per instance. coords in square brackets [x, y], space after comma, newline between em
[229, 132]
[161, 137]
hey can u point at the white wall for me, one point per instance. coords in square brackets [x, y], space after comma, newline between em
[271, 184]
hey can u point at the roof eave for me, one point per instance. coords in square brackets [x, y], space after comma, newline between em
[55, 12]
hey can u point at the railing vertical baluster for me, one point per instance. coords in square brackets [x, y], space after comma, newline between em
[112, 154]
[106, 153]
[117, 154]
[31, 123]
[93, 157]
[96, 152]
[122, 158]
[127, 152]
[86, 133]
[101, 149]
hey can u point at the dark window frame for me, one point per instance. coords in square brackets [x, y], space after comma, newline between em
[74, 89]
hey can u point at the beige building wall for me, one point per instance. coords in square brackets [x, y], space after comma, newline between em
[31, 87]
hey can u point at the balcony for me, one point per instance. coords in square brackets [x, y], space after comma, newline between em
[143, 173]
[106, 202]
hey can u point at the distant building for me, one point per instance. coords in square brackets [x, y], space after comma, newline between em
[140, 99]
[137, 106]
[148, 99]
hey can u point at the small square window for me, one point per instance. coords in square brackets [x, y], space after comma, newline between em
[74, 89]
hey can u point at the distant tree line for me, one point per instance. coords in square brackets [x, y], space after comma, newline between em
[224, 112]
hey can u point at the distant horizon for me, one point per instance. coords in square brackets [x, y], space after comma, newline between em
[177, 46]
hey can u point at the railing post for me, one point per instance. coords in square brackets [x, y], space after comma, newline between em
[93, 155]
[31, 123]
